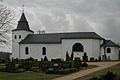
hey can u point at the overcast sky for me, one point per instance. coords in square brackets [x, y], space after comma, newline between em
[100, 16]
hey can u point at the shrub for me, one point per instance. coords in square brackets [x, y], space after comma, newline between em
[61, 71]
[77, 63]
[66, 64]
[92, 59]
[20, 66]
[72, 56]
[27, 66]
[85, 57]
[44, 65]
[99, 59]
[10, 67]
[34, 69]
[35, 63]
[67, 57]
[16, 60]
[45, 58]
[30, 59]
[108, 76]
[84, 64]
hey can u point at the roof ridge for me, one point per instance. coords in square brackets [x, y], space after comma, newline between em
[57, 37]
[67, 33]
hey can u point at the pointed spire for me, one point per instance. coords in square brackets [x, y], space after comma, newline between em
[23, 24]
[23, 18]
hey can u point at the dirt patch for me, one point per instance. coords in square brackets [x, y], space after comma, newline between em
[117, 66]
[89, 67]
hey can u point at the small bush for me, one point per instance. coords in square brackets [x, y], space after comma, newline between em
[27, 66]
[92, 59]
[85, 57]
[84, 64]
[34, 69]
[45, 58]
[10, 67]
[44, 65]
[66, 64]
[99, 58]
[108, 76]
[77, 63]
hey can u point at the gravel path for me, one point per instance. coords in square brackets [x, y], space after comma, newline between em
[81, 73]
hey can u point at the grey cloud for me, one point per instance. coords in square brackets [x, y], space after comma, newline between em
[102, 16]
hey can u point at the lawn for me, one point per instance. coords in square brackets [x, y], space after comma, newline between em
[26, 76]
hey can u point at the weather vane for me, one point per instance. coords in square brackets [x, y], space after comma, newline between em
[23, 8]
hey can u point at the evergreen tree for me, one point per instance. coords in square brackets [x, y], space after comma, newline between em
[72, 56]
[45, 58]
[67, 56]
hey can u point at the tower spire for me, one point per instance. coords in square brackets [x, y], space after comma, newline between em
[23, 8]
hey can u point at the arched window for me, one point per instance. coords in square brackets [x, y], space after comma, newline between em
[43, 51]
[108, 50]
[19, 36]
[26, 50]
[15, 37]
[78, 47]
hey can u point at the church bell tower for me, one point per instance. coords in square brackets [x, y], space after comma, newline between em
[19, 34]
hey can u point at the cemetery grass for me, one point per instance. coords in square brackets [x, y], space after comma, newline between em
[27, 76]
[114, 69]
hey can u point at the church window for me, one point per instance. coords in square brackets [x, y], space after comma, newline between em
[26, 50]
[108, 50]
[77, 47]
[19, 36]
[15, 37]
[43, 51]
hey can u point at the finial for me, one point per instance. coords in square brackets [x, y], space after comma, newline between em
[23, 8]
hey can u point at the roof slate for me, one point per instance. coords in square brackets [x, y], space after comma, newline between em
[23, 24]
[49, 38]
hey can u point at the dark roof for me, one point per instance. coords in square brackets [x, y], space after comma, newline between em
[109, 43]
[49, 38]
[23, 24]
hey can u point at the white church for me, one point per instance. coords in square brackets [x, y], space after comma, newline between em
[26, 44]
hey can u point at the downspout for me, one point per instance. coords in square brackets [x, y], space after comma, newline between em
[19, 52]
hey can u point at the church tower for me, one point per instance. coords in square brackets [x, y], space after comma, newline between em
[19, 34]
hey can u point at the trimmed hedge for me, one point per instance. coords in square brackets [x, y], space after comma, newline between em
[61, 71]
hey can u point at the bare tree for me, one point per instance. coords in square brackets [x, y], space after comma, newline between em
[6, 17]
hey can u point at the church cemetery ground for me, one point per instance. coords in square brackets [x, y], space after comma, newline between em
[32, 69]
[17, 71]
